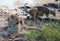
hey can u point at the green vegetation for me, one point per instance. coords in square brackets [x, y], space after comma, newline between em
[46, 34]
[51, 34]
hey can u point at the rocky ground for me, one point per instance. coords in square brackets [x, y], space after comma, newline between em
[5, 31]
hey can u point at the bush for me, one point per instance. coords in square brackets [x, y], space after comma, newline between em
[46, 34]
[52, 33]
[32, 35]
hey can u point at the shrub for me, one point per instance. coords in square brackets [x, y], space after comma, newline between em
[46, 34]
[52, 33]
[32, 35]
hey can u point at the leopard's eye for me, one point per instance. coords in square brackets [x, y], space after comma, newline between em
[11, 16]
[5, 12]
[17, 14]
[17, 22]
[20, 22]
